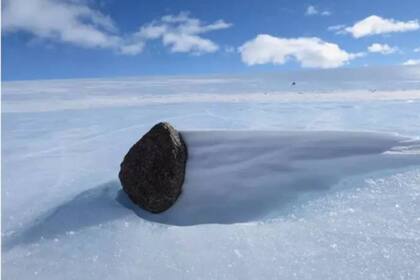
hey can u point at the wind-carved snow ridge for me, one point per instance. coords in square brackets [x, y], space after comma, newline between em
[238, 176]
[245, 176]
[409, 147]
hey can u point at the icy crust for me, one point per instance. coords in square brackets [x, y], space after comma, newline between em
[309, 206]
[360, 85]
[367, 228]
[40, 103]
[235, 177]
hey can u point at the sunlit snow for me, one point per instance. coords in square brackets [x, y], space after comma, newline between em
[315, 181]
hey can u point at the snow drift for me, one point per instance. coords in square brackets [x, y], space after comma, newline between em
[280, 184]
[239, 176]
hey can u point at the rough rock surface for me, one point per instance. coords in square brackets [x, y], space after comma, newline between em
[153, 171]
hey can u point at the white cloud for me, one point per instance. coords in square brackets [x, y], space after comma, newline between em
[337, 28]
[374, 25]
[312, 11]
[131, 49]
[308, 51]
[412, 62]
[181, 33]
[65, 21]
[417, 50]
[73, 21]
[382, 48]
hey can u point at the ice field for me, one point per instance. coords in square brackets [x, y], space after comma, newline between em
[316, 181]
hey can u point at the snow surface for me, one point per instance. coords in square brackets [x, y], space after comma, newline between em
[317, 182]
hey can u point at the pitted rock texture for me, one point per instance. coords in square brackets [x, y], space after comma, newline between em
[153, 171]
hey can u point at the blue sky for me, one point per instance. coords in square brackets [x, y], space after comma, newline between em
[48, 39]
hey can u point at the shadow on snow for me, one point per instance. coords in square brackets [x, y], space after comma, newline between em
[237, 177]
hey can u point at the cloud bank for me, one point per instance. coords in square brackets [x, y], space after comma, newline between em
[412, 62]
[310, 52]
[313, 11]
[76, 23]
[181, 33]
[69, 22]
[375, 25]
[382, 48]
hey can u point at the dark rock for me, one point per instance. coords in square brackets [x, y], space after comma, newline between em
[153, 171]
